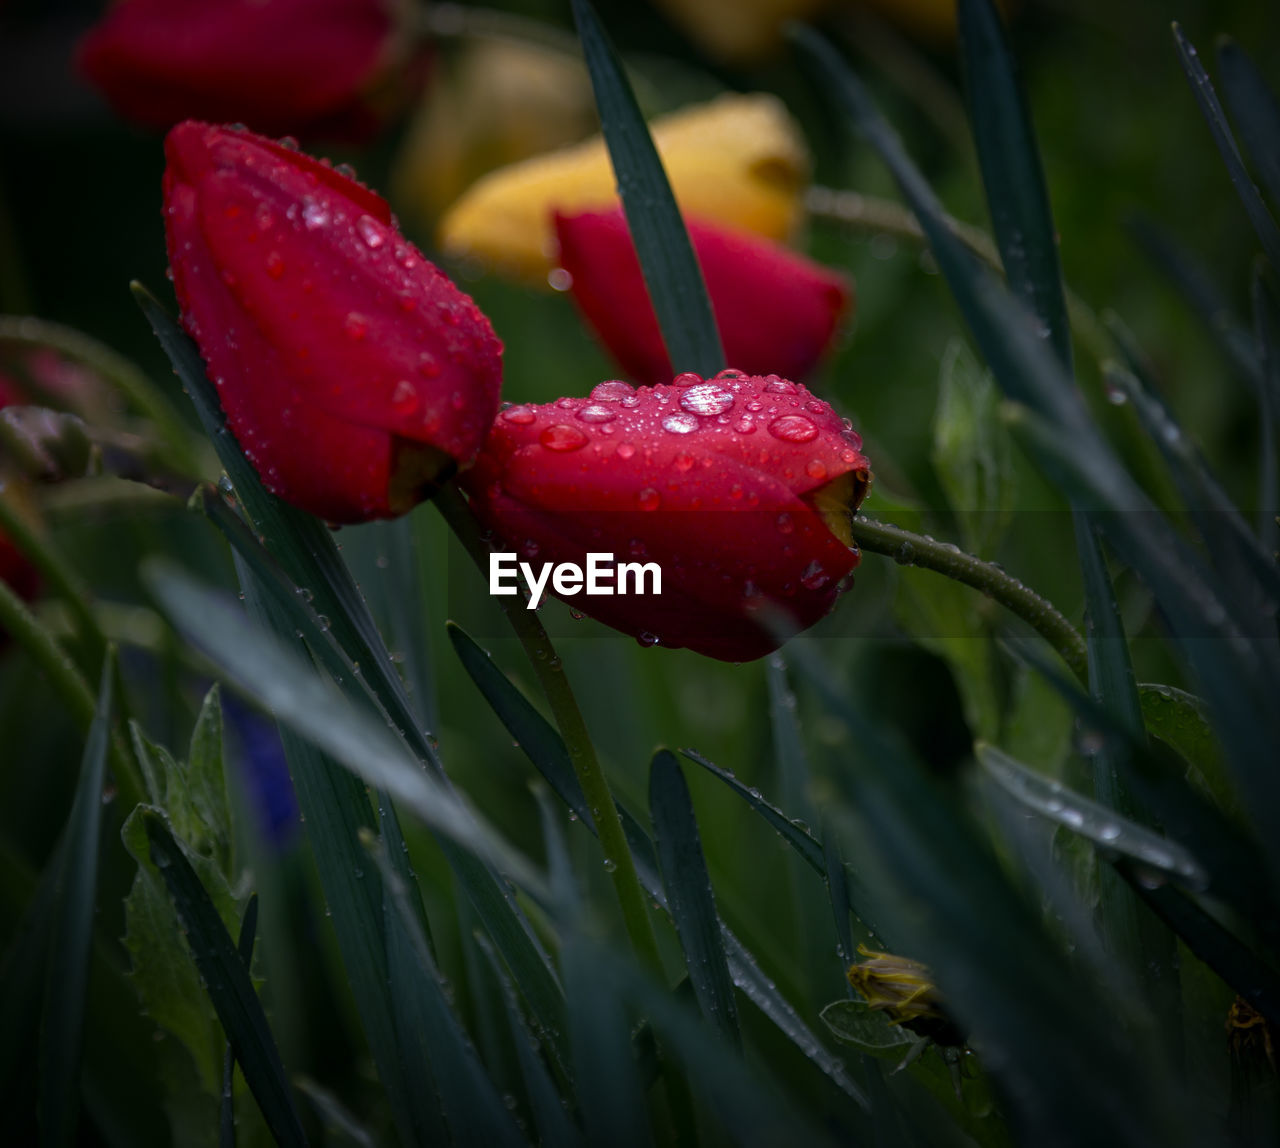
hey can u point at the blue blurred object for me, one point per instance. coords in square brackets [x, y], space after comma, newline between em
[262, 770]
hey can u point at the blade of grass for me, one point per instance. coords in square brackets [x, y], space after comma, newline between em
[1256, 113]
[227, 981]
[689, 895]
[1092, 820]
[670, 268]
[1207, 98]
[471, 1104]
[71, 933]
[1266, 327]
[226, 1104]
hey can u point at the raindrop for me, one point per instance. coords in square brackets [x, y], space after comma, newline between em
[730, 373]
[562, 437]
[596, 413]
[404, 399]
[814, 577]
[793, 428]
[777, 385]
[428, 368]
[683, 461]
[816, 469]
[314, 214]
[680, 424]
[707, 399]
[686, 379]
[648, 639]
[371, 232]
[289, 143]
[612, 391]
[785, 525]
[357, 325]
[521, 416]
[610, 865]
[649, 498]
[745, 426]
[625, 450]
[275, 265]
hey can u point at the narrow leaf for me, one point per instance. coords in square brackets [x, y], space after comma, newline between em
[689, 895]
[71, 934]
[226, 1109]
[670, 268]
[228, 985]
[1256, 113]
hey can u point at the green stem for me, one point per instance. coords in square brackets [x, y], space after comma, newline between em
[908, 549]
[138, 389]
[57, 572]
[887, 217]
[22, 626]
[564, 707]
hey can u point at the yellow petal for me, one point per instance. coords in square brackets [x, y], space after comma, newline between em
[739, 160]
[738, 31]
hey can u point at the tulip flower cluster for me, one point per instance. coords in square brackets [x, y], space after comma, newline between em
[356, 376]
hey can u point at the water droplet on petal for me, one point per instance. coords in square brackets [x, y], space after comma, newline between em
[404, 399]
[612, 391]
[707, 399]
[625, 450]
[680, 424]
[785, 525]
[357, 325]
[289, 143]
[595, 413]
[778, 385]
[314, 214]
[521, 416]
[745, 426]
[730, 373]
[814, 577]
[683, 461]
[646, 639]
[649, 499]
[686, 379]
[816, 468]
[275, 265]
[562, 437]
[793, 428]
[372, 232]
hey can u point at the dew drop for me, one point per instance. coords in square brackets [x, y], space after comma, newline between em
[314, 214]
[357, 325]
[648, 639]
[683, 461]
[785, 525]
[625, 450]
[371, 232]
[816, 468]
[777, 385]
[612, 391]
[745, 426]
[595, 413]
[649, 499]
[404, 399]
[730, 373]
[610, 865]
[428, 368]
[686, 379]
[520, 416]
[707, 399]
[562, 437]
[275, 265]
[814, 577]
[793, 428]
[680, 424]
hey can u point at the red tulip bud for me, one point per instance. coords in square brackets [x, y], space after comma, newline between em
[739, 489]
[353, 373]
[776, 310]
[279, 65]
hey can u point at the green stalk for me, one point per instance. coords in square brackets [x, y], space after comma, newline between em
[564, 707]
[22, 626]
[908, 549]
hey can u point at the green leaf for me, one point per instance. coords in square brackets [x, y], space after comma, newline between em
[470, 1102]
[1207, 98]
[689, 895]
[1179, 720]
[1256, 113]
[670, 268]
[971, 450]
[71, 934]
[227, 983]
[244, 946]
[1090, 819]
[855, 1022]
[1011, 170]
[195, 791]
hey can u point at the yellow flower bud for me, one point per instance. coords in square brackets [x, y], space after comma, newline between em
[739, 160]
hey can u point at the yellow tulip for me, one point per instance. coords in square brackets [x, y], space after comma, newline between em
[499, 102]
[739, 160]
[738, 31]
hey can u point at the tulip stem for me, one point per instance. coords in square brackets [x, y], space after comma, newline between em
[887, 217]
[908, 549]
[573, 728]
[23, 627]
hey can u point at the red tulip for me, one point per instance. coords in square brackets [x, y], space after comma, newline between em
[353, 373]
[739, 489]
[279, 65]
[776, 310]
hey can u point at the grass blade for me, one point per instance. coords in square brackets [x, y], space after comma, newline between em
[1207, 98]
[1011, 170]
[226, 1106]
[689, 894]
[1256, 113]
[472, 1106]
[71, 933]
[1090, 819]
[670, 268]
[227, 981]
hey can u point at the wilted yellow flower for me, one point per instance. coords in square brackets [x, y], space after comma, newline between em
[499, 102]
[739, 160]
[904, 989]
[738, 31]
